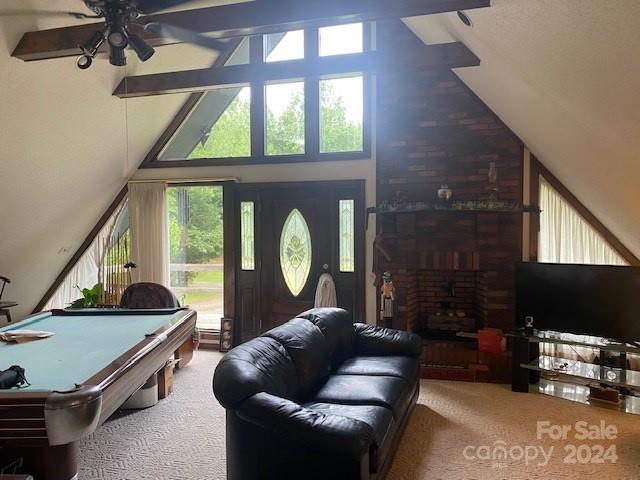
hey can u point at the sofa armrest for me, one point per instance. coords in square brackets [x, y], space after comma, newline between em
[371, 340]
[322, 432]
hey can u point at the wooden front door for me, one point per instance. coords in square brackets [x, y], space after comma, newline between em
[287, 236]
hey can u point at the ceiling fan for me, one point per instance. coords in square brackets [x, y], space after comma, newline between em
[122, 19]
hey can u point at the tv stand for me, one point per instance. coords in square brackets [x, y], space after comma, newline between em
[532, 371]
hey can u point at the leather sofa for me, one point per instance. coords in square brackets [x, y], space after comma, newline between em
[318, 398]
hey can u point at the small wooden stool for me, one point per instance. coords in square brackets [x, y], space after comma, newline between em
[4, 309]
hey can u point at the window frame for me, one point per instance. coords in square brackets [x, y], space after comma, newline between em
[257, 123]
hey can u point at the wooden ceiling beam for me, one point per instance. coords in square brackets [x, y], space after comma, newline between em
[247, 18]
[447, 55]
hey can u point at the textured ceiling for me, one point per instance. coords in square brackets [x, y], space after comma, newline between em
[565, 76]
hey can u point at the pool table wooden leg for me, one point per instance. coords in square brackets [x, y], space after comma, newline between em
[54, 463]
[184, 354]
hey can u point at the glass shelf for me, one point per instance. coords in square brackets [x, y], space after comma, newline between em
[615, 377]
[576, 392]
[548, 336]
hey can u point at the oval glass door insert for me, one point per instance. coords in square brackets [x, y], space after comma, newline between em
[295, 252]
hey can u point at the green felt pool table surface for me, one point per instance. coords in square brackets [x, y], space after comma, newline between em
[84, 343]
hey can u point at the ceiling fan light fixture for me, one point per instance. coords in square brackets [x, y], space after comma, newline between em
[117, 57]
[117, 39]
[91, 46]
[84, 62]
[142, 48]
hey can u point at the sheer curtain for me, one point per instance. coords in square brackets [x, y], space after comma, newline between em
[149, 232]
[566, 237]
[86, 272]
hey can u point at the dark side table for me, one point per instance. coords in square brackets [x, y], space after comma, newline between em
[4, 309]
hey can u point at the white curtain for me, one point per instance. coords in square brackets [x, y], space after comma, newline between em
[149, 232]
[566, 237]
[86, 272]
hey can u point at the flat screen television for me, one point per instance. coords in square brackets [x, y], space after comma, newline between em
[602, 301]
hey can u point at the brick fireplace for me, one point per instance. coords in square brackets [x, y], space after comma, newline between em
[453, 271]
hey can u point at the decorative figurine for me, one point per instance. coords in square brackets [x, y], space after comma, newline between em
[387, 296]
[444, 194]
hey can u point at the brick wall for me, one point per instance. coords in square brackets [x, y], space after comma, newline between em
[432, 130]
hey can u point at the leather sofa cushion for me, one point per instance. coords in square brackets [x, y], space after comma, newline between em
[336, 325]
[308, 349]
[389, 392]
[372, 340]
[259, 365]
[403, 367]
[380, 419]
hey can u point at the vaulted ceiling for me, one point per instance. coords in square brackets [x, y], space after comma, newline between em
[562, 74]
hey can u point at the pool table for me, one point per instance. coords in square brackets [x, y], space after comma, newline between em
[79, 377]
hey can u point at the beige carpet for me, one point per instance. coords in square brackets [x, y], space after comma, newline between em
[183, 436]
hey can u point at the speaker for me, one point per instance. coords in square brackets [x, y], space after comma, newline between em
[226, 334]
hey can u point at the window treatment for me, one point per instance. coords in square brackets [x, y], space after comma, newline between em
[149, 232]
[86, 272]
[566, 237]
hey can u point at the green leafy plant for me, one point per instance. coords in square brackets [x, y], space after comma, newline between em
[90, 297]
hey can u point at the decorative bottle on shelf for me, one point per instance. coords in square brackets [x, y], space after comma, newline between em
[444, 194]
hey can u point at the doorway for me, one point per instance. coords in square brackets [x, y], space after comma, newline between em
[196, 250]
[286, 236]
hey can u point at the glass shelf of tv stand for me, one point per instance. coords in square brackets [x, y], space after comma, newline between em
[560, 338]
[597, 374]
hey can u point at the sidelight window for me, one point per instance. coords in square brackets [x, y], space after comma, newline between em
[247, 235]
[346, 212]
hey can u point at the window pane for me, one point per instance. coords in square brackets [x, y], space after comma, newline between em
[346, 211]
[247, 235]
[218, 126]
[230, 134]
[284, 118]
[341, 114]
[284, 46]
[196, 250]
[295, 252]
[341, 39]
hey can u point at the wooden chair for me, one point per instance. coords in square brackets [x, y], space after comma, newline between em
[148, 295]
[5, 306]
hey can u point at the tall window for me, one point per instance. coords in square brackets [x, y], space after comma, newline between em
[315, 117]
[566, 237]
[196, 250]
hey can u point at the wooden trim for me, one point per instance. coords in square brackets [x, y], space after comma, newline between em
[248, 18]
[82, 249]
[534, 199]
[446, 55]
[229, 249]
[584, 212]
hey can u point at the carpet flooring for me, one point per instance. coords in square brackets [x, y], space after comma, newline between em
[453, 429]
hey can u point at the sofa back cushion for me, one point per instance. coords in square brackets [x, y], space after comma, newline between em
[336, 325]
[308, 350]
[259, 365]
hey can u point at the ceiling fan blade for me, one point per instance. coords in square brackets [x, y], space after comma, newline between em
[152, 6]
[184, 35]
[45, 13]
